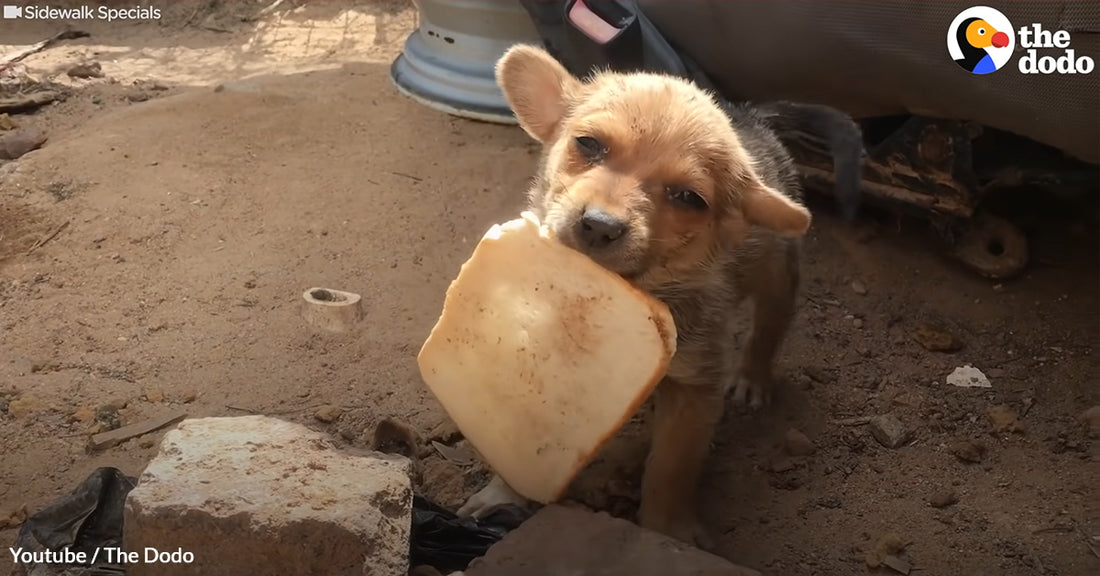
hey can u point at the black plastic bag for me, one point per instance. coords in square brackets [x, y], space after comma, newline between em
[86, 520]
[444, 541]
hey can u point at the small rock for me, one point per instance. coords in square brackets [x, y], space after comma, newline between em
[943, 499]
[1004, 419]
[23, 407]
[563, 540]
[444, 483]
[446, 432]
[782, 465]
[6, 122]
[154, 395]
[859, 288]
[3, 405]
[969, 451]
[84, 415]
[798, 444]
[888, 545]
[147, 442]
[188, 396]
[968, 377]
[265, 480]
[936, 339]
[249, 284]
[13, 519]
[1091, 417]
[896, 564]
[857, 323]
[137, 96]
[108, 417]
[349, 433]
[888, 430]
[86, 70]
[393, 437]
[328, 413]
[17, 143]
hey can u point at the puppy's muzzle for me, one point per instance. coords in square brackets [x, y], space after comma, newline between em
[598, 230]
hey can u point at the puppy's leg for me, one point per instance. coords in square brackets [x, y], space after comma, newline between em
[495, 494]
[772, 285]
[684, 421]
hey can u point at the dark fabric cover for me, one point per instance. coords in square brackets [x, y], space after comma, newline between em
[886, 58]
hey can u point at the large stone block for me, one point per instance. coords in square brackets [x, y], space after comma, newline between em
[560, 540]
[258, 495]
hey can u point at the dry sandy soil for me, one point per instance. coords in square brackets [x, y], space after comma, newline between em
[196, 219]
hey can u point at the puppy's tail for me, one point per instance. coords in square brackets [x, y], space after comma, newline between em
[840, 134]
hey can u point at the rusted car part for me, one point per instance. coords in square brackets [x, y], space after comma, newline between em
[926, 168]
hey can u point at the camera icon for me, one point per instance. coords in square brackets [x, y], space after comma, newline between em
[13, 12]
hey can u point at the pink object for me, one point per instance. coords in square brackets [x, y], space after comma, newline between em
[593, 26]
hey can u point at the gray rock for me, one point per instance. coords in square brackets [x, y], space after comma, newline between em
[888, 430]
[258, 495]
[798, 444]
[559, 540]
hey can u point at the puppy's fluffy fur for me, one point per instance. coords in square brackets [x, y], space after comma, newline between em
[649, 177]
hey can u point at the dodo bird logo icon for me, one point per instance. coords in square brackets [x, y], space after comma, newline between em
[980, 40]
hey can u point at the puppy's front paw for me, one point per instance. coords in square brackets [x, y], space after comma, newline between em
[494, 495]
[751, 393]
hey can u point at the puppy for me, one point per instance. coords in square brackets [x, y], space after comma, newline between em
[650, 178]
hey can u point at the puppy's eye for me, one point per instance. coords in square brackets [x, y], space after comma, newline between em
[686, 199]
[590, 148]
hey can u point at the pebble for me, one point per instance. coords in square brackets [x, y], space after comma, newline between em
[1004, 419]
[943, 499]
[396, 437]
[935, 338]
[859, 288]
[798, 444]
[19, 142]
[888, 430]
[1091, 417]
[188, 396]
[86, 70]
[969, 451]
[84, 414]
[154, 395]
[328, 413]
[968, 377]
[782, 465]
[23, 406]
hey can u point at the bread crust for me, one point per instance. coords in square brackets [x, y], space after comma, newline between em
[579, 416]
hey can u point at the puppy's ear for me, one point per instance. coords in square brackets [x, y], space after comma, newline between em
[767, 208]
[538, 89]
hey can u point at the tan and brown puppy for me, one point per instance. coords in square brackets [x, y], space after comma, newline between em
[649, 177]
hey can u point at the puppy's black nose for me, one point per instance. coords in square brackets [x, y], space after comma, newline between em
[598, 229]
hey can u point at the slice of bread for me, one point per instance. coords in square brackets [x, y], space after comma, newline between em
[541, 355]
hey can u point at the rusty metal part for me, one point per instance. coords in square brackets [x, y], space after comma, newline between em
[992, 247]
[925, 165]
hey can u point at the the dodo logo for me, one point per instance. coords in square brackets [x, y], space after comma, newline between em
[980, 39]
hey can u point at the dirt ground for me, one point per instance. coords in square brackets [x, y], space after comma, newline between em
[190, 220]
